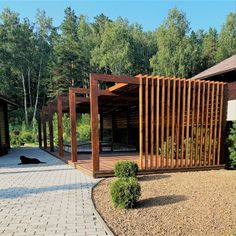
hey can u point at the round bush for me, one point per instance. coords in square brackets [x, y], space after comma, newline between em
[125, 169]
[125, 192]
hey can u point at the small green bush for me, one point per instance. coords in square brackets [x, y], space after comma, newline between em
[232, 145]
[125, 169]
[125, 192]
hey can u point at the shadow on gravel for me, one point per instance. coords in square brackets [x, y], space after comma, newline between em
[152, 177]
[160, 201]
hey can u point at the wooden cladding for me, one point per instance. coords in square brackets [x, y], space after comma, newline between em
[180, 122]
[232, 91]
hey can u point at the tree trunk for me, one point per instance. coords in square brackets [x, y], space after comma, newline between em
[25, 99]
[37, 93]
[29, 87]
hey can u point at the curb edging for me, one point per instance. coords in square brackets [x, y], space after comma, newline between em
[102, 221]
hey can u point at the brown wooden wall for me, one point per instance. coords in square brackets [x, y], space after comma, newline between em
[4, 129]
[232, 91]
[182, 122]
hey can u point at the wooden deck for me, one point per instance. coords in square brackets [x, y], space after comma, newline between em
[108, 160]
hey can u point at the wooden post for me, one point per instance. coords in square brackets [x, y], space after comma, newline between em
[141, 122]
[73, 138]
[128, 125]
[101, 130]
[178, 123]
[215, 122]
[173, 122]
[60, 126]
[146, 122]
[39, 129]
[152, 122]
[187, 125]
[50, 126]
[44, 129]
[113, 127]
[202, 123]
[168, 122]
[223, 120]
[94, 122]
[157, 121]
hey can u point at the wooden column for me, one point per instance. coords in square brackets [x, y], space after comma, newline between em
[39, 129]
[44, 129]
[141, 122]
[73, 138]
[113, 127]
[60, 125]
[50, 126]
[94, 122]
[101, 131]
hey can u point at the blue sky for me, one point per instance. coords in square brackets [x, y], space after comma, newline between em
[149, 13]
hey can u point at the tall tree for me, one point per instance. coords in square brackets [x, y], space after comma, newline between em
[227, 38]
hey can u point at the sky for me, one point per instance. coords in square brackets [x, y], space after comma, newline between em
[150, 13]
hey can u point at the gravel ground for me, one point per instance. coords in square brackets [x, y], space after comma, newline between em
[190, 203]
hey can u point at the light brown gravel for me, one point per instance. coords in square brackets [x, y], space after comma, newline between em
[190, 203]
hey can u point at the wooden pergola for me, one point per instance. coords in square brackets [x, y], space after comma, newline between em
[181, 122]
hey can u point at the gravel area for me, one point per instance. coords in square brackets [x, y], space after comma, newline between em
[190, 203]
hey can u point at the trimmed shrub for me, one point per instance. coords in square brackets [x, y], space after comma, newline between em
[125, 192]
[232, 145]
[125, 169]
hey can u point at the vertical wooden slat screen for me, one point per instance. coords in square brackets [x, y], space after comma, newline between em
[181, 122]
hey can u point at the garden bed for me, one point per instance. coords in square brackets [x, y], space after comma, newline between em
[190, 203]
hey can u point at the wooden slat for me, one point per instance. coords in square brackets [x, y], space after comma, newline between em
[39, 129]
[60, 125]
[206, 123]
[220, 123]
[187, 127]
[167, 122]
[157, 120]
[197, 121]
[50, 126]
[183, 120]
[193, 123]
[73, 137]
[211, 122]
[178, 123]
[146, 123]
[173, 122]
[141, 123]
[162, 121]
[94, 123]
[215, 123]
[202, 122]
[152, 122]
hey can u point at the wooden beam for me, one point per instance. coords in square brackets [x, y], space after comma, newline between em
[116, 78]
[206, 123]
[215, 123]
[73, 136]
[100, 92]
[94, 122]
[162, 121]
[60, 126]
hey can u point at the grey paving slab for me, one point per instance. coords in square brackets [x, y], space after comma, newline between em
[45, 199]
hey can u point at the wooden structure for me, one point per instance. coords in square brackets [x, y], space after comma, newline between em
[5, 106]
[177, 124]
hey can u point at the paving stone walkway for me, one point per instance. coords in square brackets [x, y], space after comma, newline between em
[45, 199]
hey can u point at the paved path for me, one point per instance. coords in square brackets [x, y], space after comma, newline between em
[45, 199]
